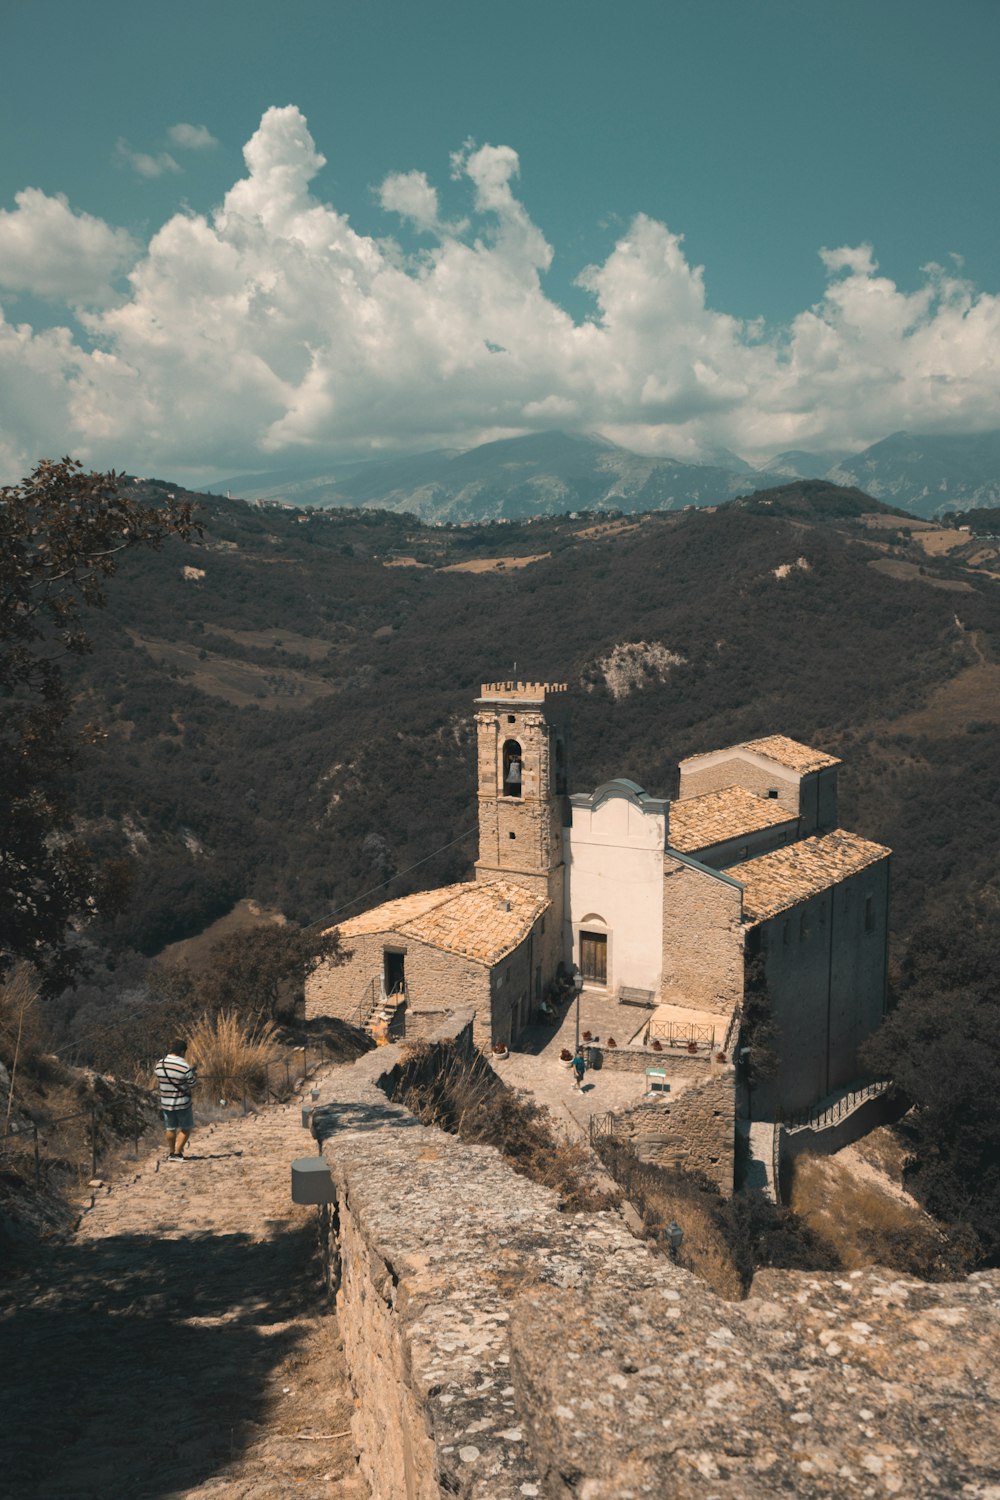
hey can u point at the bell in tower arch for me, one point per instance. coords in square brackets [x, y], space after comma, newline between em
[512, 769]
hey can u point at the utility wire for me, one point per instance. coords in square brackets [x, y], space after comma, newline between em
[399, 873]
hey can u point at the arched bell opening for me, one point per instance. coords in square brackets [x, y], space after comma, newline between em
[512, 765]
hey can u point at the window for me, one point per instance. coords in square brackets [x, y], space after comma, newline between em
[869, 913]
[772, 791]
[511, 769]
[511, 719]
[594, 956]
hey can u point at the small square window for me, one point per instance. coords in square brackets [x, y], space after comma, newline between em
[772, 791]
[511, 718]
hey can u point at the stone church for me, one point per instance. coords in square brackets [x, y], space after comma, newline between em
[658, 902]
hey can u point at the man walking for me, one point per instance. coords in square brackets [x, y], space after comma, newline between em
[176, 1078]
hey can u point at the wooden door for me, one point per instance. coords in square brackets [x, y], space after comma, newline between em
[594, 957]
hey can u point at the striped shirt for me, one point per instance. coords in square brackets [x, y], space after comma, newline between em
[176, 1079]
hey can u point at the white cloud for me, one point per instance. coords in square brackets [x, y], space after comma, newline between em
[191, 137]
[410, 195]
[272, 325]
[47, 249]
[142, 162]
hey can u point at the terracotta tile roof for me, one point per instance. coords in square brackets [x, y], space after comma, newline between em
[775, 881]
[699, 821]
[790, 753]
[483, 922]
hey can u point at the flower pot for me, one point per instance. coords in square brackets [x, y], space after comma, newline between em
[692, 1046]
[720, 1057]
[587, 1037]
[611, 1042]
[657, 1045]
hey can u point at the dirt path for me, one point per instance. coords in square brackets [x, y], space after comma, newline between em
[180, 1345]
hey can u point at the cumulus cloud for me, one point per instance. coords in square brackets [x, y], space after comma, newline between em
[272, 326]
[47, 249]
[191, 137]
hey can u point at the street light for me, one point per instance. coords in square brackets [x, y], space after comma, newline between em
[578, 987]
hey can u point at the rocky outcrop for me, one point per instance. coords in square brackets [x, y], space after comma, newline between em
[500, 1349]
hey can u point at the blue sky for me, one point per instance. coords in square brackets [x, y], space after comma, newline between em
[580, 163]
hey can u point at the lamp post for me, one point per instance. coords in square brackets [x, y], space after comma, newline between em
[578, 987]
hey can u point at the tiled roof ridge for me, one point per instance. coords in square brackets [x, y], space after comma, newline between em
[780, 748]
[695, 821]
[785, 877]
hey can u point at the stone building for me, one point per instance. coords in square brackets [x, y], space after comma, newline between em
[660, 902]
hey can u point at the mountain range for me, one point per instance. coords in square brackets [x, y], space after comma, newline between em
[552, 473]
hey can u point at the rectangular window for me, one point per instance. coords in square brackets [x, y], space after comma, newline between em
[594, 957]
[869, 913]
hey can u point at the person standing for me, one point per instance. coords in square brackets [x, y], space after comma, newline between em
[579, 1067]
[176, 1078]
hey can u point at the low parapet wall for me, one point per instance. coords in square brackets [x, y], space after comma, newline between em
[502, 1350]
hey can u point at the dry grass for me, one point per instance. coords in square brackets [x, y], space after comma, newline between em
[867, 1221]
[230, 1055]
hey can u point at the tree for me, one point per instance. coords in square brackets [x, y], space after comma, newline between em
[62, 532]
[260, 974]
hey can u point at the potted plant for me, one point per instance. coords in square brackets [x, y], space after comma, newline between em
[566, 1057]
[501, 1050]
[720, 1057]
[611, 1042]
[656, 1044]
[692, 1046]
[588, 1036]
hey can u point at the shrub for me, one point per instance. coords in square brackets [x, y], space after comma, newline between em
[231, 1055]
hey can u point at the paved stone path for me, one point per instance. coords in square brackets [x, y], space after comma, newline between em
[181, 1344]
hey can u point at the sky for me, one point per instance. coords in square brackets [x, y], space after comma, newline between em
[236, 236]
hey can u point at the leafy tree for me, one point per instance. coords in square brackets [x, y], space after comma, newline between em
[62, 532]
[940, 1045]
[260, 974]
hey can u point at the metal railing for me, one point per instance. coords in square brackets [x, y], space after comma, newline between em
[823, 1114]
[603, 1125]
[677, 1034]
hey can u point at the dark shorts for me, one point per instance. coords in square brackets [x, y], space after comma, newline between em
[178, 1119]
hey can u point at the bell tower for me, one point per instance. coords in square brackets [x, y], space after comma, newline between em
[523, 770]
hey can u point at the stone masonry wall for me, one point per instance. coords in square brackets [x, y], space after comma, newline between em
[702, 939]
[696, 1131]
[737, 770]
[502, 1350]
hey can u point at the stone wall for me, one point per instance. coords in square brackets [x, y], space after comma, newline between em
[826, 980]
[696, 1131]
[436, 983]
[722, 768]
[702, 938]
[631, 1059]
[502, 1350]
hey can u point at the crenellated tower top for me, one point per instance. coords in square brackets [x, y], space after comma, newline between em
[519, 692]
